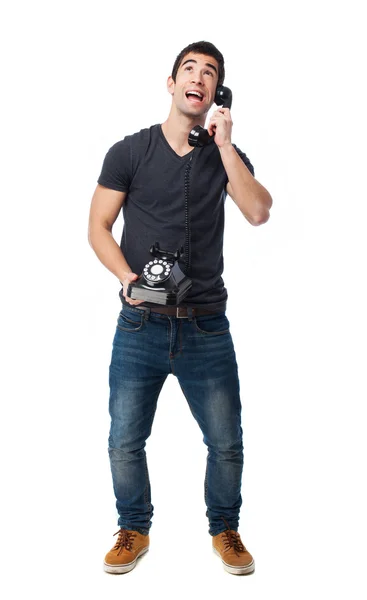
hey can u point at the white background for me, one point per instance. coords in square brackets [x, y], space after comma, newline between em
[77, 77]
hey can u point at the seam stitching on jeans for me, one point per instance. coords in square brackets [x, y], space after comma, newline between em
[149, 506]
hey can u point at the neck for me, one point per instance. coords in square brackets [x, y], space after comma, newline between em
[177, 128]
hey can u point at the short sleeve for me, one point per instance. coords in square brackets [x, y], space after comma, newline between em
[116, 168]
[245, 159]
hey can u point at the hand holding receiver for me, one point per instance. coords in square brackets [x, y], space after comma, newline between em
[199, 136]
[220, 127]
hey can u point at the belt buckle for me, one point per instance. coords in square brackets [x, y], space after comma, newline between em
[178, 316]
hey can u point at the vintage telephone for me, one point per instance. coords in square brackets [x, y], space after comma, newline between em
[162, 280]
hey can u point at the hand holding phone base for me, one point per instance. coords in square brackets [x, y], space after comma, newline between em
[162, 281]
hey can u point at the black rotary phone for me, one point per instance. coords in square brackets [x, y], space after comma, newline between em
[162, 280]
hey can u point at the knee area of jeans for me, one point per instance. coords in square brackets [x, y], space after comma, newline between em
[227, 449]
[126, 438]
[126, 449]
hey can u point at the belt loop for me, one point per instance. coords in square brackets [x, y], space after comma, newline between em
[189, 313]
[146, 313]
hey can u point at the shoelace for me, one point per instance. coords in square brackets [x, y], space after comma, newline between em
[124, 540]
[233, 540]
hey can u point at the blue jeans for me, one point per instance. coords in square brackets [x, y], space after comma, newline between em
[147, 347]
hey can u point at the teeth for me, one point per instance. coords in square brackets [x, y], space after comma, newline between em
[196, 94]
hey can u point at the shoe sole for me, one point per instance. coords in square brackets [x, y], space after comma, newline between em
[236, 570]
[117, 569]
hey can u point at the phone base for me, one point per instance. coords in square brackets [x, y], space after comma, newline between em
[139, 290]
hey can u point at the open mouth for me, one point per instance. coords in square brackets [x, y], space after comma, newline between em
[196, 97]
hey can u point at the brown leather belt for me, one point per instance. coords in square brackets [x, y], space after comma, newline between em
[177, 311]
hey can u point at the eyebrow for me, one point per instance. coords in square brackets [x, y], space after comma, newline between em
[195, 61]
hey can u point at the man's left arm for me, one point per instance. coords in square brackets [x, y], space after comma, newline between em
[253, 200]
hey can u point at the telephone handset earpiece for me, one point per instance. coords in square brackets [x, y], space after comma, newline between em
[199, 136]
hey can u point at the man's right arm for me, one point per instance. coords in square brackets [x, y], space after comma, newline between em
[105, 207]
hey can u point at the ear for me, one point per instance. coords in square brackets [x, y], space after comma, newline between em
[170, 85]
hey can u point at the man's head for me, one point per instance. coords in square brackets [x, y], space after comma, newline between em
[196, 73]
[201, 48]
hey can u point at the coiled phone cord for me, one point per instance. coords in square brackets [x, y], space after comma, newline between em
[187, 248]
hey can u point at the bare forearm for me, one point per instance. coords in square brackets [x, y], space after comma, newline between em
[251, 197]
[109, 252]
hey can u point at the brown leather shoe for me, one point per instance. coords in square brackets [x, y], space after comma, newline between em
[123, 556]
[235, 558]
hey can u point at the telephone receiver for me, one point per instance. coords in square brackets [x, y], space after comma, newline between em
[199, 136]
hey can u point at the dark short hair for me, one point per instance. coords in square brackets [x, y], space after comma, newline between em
[201, 48]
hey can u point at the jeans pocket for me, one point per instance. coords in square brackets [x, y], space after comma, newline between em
[130, 321]
[216, 324]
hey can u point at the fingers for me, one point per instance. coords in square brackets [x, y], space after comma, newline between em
[219, 111]
[220, 115]
[222, 112]
[131, 277]
[220, 125]
[211, 128]
[131, 301]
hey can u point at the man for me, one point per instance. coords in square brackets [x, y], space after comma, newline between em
[145, 174]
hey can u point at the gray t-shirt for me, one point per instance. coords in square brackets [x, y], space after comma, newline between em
[153, 174]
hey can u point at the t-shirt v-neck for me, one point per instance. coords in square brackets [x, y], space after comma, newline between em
[169, 147]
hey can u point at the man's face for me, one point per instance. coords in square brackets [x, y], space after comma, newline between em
[196, 82]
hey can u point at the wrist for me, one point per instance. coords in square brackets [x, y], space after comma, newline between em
[122, 276]
[226, 147]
